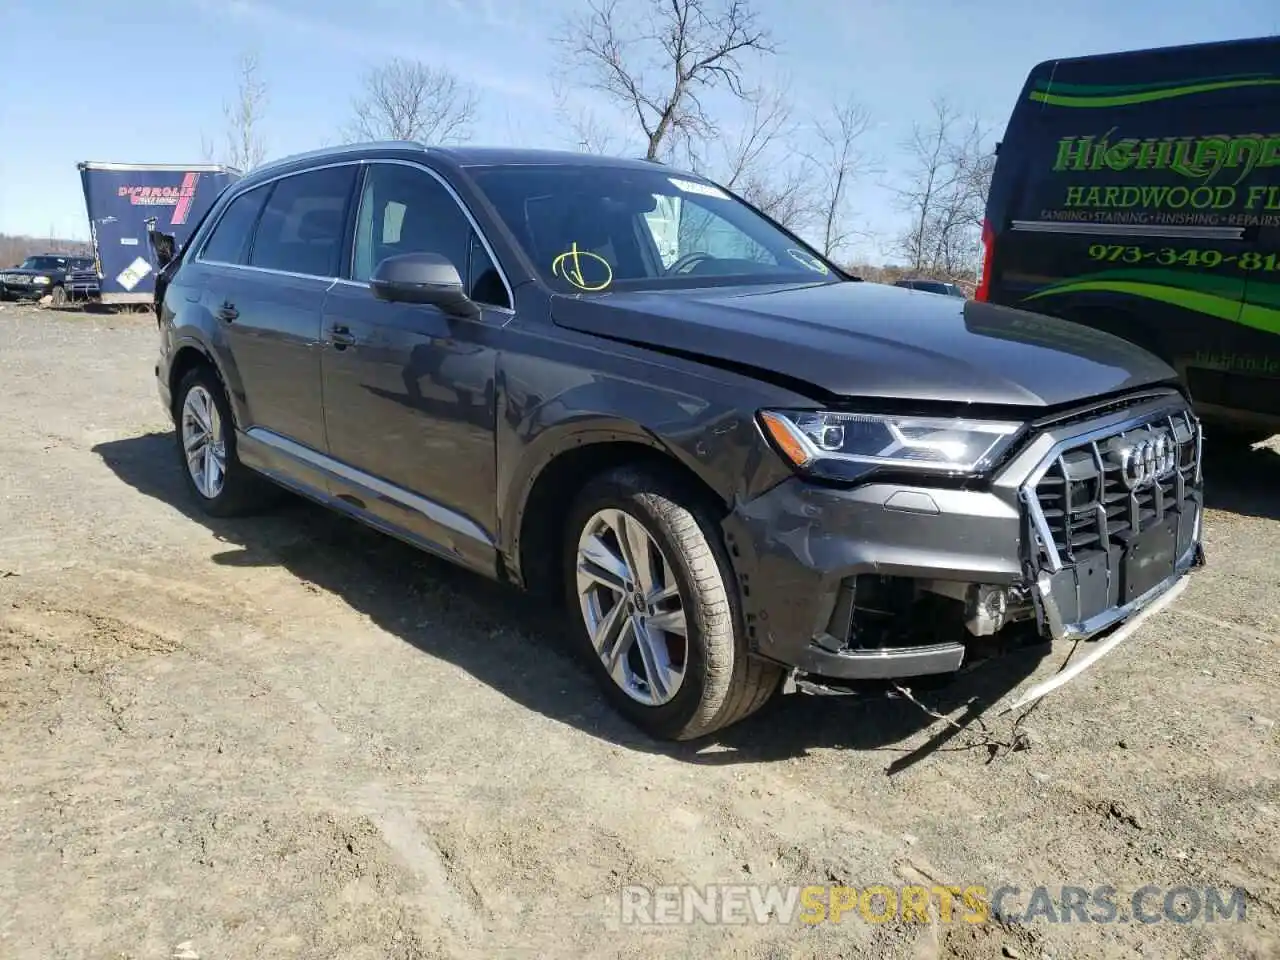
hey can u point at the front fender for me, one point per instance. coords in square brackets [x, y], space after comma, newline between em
[710, 433]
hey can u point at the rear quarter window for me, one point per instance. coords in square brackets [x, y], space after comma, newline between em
[229, 241]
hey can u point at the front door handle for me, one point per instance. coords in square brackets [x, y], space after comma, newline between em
[341, 337]
[227, 312]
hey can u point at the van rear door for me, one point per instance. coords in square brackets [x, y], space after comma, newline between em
[1132, 193]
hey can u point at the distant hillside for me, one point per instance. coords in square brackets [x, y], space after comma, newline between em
[13, 250]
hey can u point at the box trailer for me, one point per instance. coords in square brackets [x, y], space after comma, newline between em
[127, 201]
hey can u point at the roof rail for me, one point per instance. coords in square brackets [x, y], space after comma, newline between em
[340, 150]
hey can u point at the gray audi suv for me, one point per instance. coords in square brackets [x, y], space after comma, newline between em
[619, 385]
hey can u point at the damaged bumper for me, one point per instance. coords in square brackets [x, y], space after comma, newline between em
[888, 580]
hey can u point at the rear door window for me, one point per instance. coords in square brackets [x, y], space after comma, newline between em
[304, 221]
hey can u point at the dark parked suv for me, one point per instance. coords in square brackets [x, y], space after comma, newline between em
[740, 468]
[43, 275]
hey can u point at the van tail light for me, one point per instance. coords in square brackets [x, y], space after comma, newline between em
[983, 292]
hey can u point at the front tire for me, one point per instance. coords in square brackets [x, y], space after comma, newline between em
[651, 594]
[58, 297]
[206, 444]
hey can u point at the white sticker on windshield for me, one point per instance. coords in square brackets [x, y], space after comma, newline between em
[693, 186]
[808, 260]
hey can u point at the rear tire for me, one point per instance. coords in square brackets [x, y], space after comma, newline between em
[652, 598]
[206, 446]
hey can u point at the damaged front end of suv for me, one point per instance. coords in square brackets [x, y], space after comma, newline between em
[1058, 530]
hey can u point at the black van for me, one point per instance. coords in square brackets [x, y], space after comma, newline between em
[1139, 193]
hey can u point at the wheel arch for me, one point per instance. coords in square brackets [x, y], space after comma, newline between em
[192, 353]
[554, 473]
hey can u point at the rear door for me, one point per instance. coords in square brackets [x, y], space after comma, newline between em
[266, 303]
[1135, 192]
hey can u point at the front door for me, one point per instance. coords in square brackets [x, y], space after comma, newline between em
[409, 390]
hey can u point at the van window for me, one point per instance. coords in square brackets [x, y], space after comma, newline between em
[303, 223]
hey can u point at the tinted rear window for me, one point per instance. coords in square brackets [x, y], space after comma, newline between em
[302, 226]
[229, 242]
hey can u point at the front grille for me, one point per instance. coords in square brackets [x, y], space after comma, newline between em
[1103, 494]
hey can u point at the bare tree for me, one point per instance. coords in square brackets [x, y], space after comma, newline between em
[759, 163]
[947, 193]
[409, 100]
[588, 133]
[837, 164]
[661, 57]
[246, 147]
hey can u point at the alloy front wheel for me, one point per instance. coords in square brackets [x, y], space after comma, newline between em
[651, 588]
[632, 607]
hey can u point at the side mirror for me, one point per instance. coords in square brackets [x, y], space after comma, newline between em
[423, 278]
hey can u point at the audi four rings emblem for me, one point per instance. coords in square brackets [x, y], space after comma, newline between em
[1148, 460]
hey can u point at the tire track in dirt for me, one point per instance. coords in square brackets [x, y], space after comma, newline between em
[459, 885]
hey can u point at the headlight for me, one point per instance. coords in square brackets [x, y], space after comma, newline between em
[828, 443]
[41, 281]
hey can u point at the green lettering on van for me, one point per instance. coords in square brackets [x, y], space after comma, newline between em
[1181, 161]
[1073, 153]
[1238, 146]
[1154, 196]
[1154, 154]
[1197, 158]
[1121, 156]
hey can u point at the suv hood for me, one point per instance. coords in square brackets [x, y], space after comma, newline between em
[861, 339]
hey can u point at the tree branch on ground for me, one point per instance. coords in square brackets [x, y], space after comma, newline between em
[409, 100]
[658, 60]
[246, 147]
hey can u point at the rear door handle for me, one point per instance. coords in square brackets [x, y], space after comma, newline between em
[341, 337]
[227, 312]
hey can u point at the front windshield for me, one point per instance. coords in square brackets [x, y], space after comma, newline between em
[43, 263]
[592, 228]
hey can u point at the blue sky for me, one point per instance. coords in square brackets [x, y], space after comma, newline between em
[126, 83]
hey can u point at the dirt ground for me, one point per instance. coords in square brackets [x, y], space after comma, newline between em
[292, 737]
